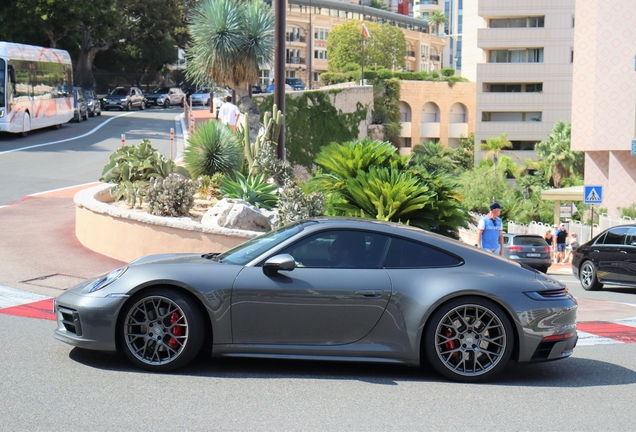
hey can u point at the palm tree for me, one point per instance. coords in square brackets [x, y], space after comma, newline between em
[560, 161]
[378, 4]
[436, 19]
[495, 146]
[230, 39]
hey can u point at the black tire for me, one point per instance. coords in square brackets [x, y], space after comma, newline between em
[86, 116]
[166, 104]
[128, 106]
[160, 330]
[588, 277]
[142, 106]
[468, 339]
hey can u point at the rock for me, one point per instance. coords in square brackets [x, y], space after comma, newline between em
[236, 214]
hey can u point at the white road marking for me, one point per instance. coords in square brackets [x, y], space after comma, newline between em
[10, 297]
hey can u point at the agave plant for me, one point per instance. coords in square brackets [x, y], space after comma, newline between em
[253, 189]
[213, 148]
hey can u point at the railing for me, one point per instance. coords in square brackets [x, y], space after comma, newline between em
[435, 58]
[295, 60]
[410, 53]
[295, 38]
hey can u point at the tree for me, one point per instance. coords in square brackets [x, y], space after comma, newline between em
[433, 157]
[230, 40]
[377, 4]
[561, 162]
[494, 147]
[436, 19]
[385, 48]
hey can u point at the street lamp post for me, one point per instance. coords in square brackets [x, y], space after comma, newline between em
[280, 18]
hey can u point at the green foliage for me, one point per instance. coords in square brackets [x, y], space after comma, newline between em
[369, 179]
[436, 19]
[629, 211]
[213, 148]
[479, 188]
[172, 196]
[272, 123]
[385, 48]
[229, 41]
[209, 186]
[130, 168]
[311, 122]
[294, 204]
[252, 189]
[433, 156]
[447, 72]
[561, 162]
[463, 156]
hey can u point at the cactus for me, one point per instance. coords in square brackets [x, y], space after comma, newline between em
[272, 123]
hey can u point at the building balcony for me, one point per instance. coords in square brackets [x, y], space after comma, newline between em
[406, 130]
[457, 130]
[435, 58]
[429, 130]
[298, 39]
[295, 60]
[502, 38]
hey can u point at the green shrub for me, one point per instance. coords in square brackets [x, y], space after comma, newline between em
[294, 204]
[252, 189]
[447, 72]
[172, 196]
[214, 148]
[130, 168]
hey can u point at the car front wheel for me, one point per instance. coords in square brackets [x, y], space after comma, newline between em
[469, 339]
[588, 278]
[166, 104]
[160, 330]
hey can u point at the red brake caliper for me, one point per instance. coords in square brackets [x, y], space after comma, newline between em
[450, 345]
[177, 331]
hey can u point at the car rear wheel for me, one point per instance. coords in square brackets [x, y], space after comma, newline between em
[469, 339]
[588, 278]
[26, 124]
[128, 106]
[160, 330]
[166, 104]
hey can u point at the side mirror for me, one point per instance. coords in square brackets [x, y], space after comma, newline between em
[279, 262]
[11, 74]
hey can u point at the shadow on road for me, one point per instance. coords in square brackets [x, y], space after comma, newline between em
[572, 372]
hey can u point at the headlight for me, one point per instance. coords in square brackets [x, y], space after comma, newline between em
[108, 279]
[123, 100]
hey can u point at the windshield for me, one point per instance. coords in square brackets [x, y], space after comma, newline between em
[163, 90]
[119, 92]
[202, 91]
[295, 81]
[246, 252]
[2, 83]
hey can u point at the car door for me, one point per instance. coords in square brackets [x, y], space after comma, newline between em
[608, 256]
[320, 302]
[627, 256]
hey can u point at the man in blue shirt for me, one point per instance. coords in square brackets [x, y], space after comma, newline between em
[490, 231]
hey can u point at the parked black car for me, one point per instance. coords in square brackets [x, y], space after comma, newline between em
[529, 249]
[80, 105]
[257, 89]
[609, 258]
[94, 104]
[124, 98]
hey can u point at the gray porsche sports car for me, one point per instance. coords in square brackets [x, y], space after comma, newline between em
[327, 288]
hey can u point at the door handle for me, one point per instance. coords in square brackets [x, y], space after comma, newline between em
[624, 252]
[370, 293]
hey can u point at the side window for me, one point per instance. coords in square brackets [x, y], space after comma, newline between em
[408, 254]
[615, 236]
[340, 249]
[630, 237]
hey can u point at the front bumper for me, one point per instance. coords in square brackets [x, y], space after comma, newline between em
[114, 104]
[87, 321]
[155, 102]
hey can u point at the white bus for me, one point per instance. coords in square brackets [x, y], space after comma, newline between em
[36, 87]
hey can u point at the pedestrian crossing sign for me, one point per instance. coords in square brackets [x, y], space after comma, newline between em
[593, 195]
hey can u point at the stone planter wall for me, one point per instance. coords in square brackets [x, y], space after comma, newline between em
[123, 234]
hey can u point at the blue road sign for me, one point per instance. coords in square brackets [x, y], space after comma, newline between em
[593, 195]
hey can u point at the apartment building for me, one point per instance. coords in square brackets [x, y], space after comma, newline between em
[520, 55]
[310, 21]
[604, 97]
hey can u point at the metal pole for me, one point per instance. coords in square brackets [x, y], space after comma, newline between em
[310, 49]
[171, 143]
[362, 70]
[280, 19]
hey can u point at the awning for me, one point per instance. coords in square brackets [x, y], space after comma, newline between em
[574, 193]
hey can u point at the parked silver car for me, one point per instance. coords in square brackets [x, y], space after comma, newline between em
[124, 98]
[200, 97]
[529, 249]
[165, 97]
[327, 288]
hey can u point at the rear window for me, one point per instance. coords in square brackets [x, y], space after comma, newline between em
[408, 254]
[529, 241]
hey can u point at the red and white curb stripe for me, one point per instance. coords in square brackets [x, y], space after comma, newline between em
[22, 303]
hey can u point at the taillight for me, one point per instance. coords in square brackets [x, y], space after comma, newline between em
[557, 337]
[515, 248]
[547, 249]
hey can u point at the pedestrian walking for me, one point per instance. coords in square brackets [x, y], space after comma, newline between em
[229, 113]
[490, 231]
[573, 243]
[561, 240]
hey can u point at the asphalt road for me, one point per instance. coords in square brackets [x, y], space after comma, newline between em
[75, 154]
[50, 386]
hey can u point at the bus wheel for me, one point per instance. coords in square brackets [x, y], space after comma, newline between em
[26, 125]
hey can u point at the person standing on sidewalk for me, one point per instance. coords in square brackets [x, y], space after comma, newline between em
[229, 113]
[490, 231]
[561, 240]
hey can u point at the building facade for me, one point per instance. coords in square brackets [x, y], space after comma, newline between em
[310, 21]
[520, 55]
[604, 97]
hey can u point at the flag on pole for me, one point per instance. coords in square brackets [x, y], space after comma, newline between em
[365, 30]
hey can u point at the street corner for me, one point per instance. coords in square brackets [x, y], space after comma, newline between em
[26, 304]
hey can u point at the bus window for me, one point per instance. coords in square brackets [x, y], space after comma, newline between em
[3, 84]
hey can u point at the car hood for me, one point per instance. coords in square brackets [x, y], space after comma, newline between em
[169, 259]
